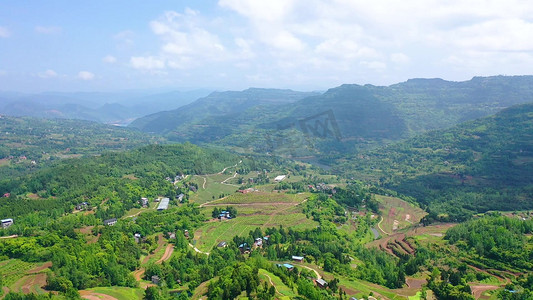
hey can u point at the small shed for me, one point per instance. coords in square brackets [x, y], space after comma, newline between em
[222, 244]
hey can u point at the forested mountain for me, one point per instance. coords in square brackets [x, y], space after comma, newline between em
[477, 166]
[355, 117]
[220, 106]
[111, 108]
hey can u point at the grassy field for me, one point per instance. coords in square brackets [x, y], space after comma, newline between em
[213, 188]
[283, 291]
[262, 197]
[398, 214]
[120, 293]
[256, 209]
[212, 233]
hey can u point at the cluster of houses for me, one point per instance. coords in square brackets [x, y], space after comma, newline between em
[319, 282]
[82, 206]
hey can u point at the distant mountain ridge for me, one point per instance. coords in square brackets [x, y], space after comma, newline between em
[367, 116]
[118, 108]
[215, 105]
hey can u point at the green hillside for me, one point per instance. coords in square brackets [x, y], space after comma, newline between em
[217, 104]
[474, 167]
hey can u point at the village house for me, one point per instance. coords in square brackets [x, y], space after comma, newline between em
[144, 202]
[180, 197]
[137, 237]
[171, 235]
[155, 279]
[280, 178]
[6, 223]
[110, 222]
[224, 215]
[7, 195]
[186, 233]
[244, 248]
[82, 206]
[297, 258]
[288, 266]
[222, 244]
[258, 242]
[321, 283]
[246, 191]
[163, 204]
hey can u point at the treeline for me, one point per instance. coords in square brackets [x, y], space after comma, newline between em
[496, 241]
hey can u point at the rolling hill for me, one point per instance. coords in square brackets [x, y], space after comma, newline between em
[480, 165]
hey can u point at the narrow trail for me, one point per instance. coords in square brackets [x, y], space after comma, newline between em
[205, 181]
[316, 272]
[272, 283]
[9, 237]
[198, 250]
[379, 226]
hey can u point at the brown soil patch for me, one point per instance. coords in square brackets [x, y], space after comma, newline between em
[28, 284]
[415, 283]
[138, 274]
[86, 229]
[46, 265]
[95, 296]
[478, 290]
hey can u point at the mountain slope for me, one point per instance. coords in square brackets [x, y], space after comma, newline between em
[217, 104]
[481, 165]
[356, 117]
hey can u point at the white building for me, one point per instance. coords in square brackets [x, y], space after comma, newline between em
[280, 178]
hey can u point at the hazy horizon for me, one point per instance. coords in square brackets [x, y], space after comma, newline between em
[64, 46]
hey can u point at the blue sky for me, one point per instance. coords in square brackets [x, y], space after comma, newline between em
[234, 44]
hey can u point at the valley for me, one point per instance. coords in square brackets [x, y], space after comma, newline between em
[101, 212]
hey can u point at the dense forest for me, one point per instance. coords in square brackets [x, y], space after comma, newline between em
[477, 166]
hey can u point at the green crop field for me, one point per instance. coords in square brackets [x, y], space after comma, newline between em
[398, 214]
[212, 233]
[262, 197]
[120, 293]
[14, 269]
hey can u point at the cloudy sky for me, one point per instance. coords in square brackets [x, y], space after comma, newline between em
[107, 45]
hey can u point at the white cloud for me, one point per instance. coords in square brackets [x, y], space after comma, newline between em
[85, 75]
[124, 39]
[109, 59]
[3, 72]
[48, 74]
[4, 32]
[148, 63]
[48, 29]
[399, 58]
